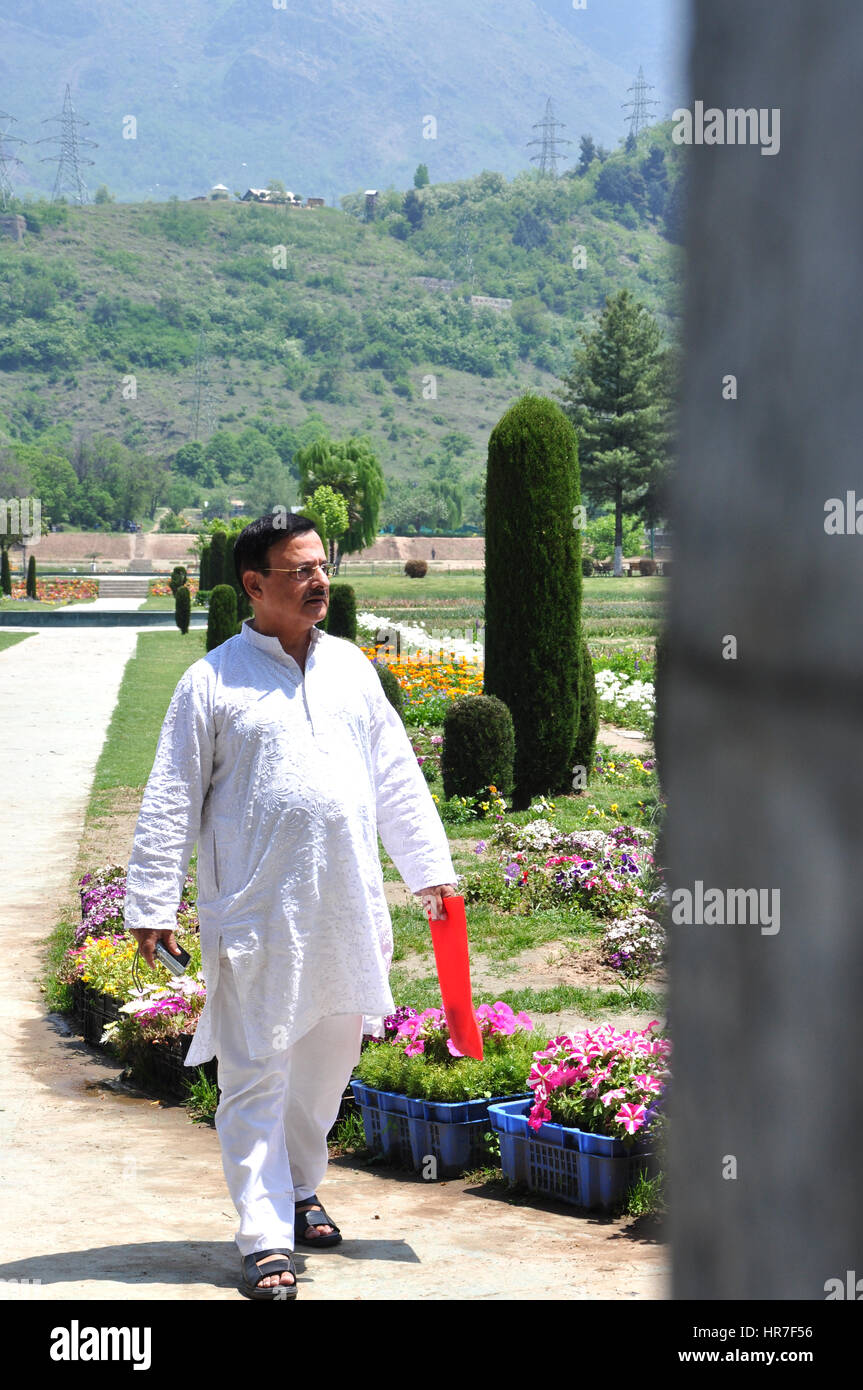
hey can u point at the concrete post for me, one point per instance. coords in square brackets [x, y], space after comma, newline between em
[762, 715]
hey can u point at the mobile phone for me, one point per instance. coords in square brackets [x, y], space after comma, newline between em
[176, 964]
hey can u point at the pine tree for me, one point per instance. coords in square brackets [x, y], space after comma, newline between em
[533, 590]
[616, 396]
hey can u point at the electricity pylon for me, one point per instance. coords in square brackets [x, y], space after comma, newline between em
[640, 103]
[548, 156]
[69, 160]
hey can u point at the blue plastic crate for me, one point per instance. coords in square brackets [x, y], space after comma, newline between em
[404, 1127]
[585, 1170]
[454, 1147]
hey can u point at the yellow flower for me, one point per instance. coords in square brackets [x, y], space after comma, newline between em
[613, 806]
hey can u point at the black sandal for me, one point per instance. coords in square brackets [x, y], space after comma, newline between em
[250, 1285]
[304, 1219]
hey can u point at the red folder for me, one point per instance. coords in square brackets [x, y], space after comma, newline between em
[449, 939]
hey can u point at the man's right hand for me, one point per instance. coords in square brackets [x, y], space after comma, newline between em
[147, 942]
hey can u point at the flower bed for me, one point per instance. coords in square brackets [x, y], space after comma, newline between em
[58, 590]
[149, 1028]
[534, 866]
[160, 588]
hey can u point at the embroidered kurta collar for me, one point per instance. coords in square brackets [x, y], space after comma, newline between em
[272, 646]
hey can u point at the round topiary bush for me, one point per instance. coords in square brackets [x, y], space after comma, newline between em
[416, 569]
[392, 689]
[586, 566]
[222, 617]
[182, 607]
[478, 747]
[341, 618]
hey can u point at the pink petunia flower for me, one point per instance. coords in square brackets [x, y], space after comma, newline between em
[631, 1117]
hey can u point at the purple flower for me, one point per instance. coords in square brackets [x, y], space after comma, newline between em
[511, 871]
[479, 847]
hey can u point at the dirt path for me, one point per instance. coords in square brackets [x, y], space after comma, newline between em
[111, 1195]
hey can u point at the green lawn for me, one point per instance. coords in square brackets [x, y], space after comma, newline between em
[8, 639]
[145, 693]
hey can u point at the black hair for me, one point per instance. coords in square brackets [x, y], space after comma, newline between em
[253, 543]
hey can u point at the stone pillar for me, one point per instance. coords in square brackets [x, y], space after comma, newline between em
[762, 712]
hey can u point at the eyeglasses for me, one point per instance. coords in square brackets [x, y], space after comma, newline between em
[302, 572]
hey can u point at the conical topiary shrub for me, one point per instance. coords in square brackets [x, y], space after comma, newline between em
[478, 746]
[222, 616]
[341, 618]
[218, 547]
[392, 689]
[5, 573]
[204, 573]
[588, 716]
[31, 577]
[182, 607]
[533, 590]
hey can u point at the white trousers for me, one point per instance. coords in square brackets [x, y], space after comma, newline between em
[274, 1115]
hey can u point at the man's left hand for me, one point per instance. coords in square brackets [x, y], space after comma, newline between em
[432, 898]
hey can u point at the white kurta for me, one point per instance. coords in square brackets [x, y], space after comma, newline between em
[285, 781]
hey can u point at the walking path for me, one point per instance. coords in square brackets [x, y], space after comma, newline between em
[110, 1195]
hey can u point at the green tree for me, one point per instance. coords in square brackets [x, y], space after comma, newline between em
[219, 572]
[349, 467]
[587, 155]
[102, 195]
[533, 590]
[414, 209]
[5, 572]
[421, 176]
[182, 608]
[222, 616]
[616, 396]
[31, 577]
[329, 511]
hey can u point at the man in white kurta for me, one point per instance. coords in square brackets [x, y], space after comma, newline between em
[282, 757]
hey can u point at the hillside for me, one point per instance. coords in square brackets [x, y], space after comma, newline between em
[313, 319]
[326, 95]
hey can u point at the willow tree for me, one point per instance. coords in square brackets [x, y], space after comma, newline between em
[533, 590]
[349, 467]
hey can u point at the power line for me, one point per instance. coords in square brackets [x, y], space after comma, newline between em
[548, 156]
[69, 160]
[640, 103]
[204, 402]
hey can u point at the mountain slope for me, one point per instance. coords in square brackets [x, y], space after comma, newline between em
[327, 95]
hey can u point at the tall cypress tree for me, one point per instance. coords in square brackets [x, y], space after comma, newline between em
[31, 577]
[219, 573]
[204, 574]
[533, 590]
[5, 573]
